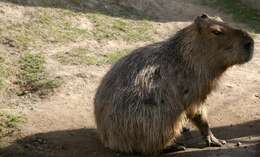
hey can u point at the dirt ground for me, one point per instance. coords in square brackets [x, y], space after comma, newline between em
[62, 125]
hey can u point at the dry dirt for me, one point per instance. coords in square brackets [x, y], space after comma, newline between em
[62, 125]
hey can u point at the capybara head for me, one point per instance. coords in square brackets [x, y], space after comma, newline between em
[221, 43]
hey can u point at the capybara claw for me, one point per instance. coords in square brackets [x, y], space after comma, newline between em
[212, 141]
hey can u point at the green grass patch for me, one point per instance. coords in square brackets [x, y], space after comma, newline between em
[112, 57]
[115, 28]
[45, 26]
[2, 75]
[84, 56]
[79, 56]
[32, 76]
[9, 124]
[58, 26]
[239, 11]
[60, 23]
[4, 72]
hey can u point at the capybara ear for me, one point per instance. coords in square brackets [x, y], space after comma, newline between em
[216, 29]
[217, 18]
[200, 20]
[204, 16]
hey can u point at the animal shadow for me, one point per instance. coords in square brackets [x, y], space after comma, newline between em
[85, 143]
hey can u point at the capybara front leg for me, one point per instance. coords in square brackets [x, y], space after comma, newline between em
[201, 122]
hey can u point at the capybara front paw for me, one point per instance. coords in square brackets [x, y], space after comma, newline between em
[212, 141]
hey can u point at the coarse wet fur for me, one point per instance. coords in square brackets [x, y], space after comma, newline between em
[145, 98]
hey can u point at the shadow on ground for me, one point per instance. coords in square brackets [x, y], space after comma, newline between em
[84, 142]
[129, 9]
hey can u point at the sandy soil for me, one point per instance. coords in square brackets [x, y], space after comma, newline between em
[63, 124]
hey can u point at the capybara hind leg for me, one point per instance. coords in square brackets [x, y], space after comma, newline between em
[201, 122]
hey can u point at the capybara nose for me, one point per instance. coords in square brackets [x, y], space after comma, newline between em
[249, 45]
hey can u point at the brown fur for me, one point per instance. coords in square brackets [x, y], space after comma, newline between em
[144, 99]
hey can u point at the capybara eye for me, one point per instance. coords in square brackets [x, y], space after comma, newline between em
[217, 32]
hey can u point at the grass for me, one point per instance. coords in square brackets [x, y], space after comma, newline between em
[59, 27]
[112, 57]
[58, 24]
[239, 11]
[32, 76]
[4, 72]
[78, 56]
[8, 69]
[87, 57]
[116, 28]
[48, 27]
[54, 25]
[9, 124]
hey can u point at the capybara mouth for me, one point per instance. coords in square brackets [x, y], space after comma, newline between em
[250, 56]
[247, 56]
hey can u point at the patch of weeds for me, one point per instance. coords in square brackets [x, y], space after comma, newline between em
[13, 35]
[4, 72]
[239, 11]
[58, 26]
[113, 8]
[45, 26]
[20, 35]
[24, 38]
[9, 124]
[2, 77]
[115, 28]
[112, 57]
[79, 56]
[32, 76]
[114, 21]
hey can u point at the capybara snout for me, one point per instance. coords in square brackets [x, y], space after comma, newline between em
[245, 46]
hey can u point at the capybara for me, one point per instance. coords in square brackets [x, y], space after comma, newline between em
[145, 98]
